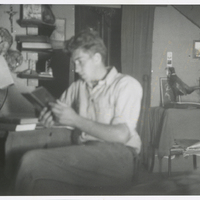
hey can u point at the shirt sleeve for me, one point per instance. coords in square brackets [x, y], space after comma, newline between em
[128, 103]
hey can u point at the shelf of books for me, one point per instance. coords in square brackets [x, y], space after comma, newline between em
[40, 76]
[18, 123]
[41, 47]
[35, 43]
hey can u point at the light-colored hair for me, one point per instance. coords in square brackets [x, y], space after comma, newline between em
[88, 40]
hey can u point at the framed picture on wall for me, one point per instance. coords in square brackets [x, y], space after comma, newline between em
[196, 49]
[58, 36]
[35, 15]
[166, 93]
[31, 12]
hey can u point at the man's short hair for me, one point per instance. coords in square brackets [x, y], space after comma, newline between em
[88, 40]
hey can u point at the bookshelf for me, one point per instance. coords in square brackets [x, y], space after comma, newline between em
[43, 58]
[36, 45]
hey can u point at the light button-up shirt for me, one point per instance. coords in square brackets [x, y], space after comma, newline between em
[114, 100]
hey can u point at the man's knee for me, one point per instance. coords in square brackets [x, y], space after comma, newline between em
[31, 159]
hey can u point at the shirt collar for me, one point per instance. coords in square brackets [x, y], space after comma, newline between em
[109, 77]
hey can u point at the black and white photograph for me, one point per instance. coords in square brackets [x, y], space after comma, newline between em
[166, 92]
[100, 100]
[196, 49]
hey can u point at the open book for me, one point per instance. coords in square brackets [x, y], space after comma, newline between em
[40, 98]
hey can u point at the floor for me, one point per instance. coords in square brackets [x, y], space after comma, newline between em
[184, 180]
[3, 183]
[147, 184]
[154, 183]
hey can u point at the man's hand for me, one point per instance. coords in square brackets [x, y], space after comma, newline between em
[63, 114]
[46, 117]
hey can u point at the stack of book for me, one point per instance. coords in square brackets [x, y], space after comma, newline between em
[33, 42]
[14, 123]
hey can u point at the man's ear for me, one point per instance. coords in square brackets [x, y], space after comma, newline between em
[97, 57]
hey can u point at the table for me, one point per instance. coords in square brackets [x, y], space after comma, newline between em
[17, 143]
[178, 124]
[163, 126]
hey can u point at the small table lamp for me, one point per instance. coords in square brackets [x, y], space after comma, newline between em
[5, 80]
[5, 75]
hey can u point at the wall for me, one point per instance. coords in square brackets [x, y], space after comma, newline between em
[67, 12]
[174, 32]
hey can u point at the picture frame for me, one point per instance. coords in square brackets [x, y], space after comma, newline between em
[60, 29]
[196, 49]
[37, 16]
[31, 12]
[58, 36]
[166, 93]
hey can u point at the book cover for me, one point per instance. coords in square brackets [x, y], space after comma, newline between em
[36, 45]
[17, 127]
[39, 98]
[32, 38]
[18, 120]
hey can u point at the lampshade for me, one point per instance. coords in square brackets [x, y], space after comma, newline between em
[5, 75]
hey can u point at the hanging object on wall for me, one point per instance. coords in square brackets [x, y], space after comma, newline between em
[108, 13]
[57, 38]
[6, 40]
[5, 75]
[177, 85]
[196, 49]
[13, 58]
[47, 15]
[11, 14]
[169, 59]
[35, 14]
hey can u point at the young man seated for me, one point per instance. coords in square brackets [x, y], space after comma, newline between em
[104, 106]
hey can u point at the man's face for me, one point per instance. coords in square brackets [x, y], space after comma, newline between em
[84, 64]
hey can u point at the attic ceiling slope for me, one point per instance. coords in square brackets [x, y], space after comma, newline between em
[191, 12]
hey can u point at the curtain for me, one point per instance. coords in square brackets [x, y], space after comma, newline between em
[136, 54]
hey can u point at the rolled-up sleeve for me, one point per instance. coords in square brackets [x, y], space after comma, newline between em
[128, 103]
